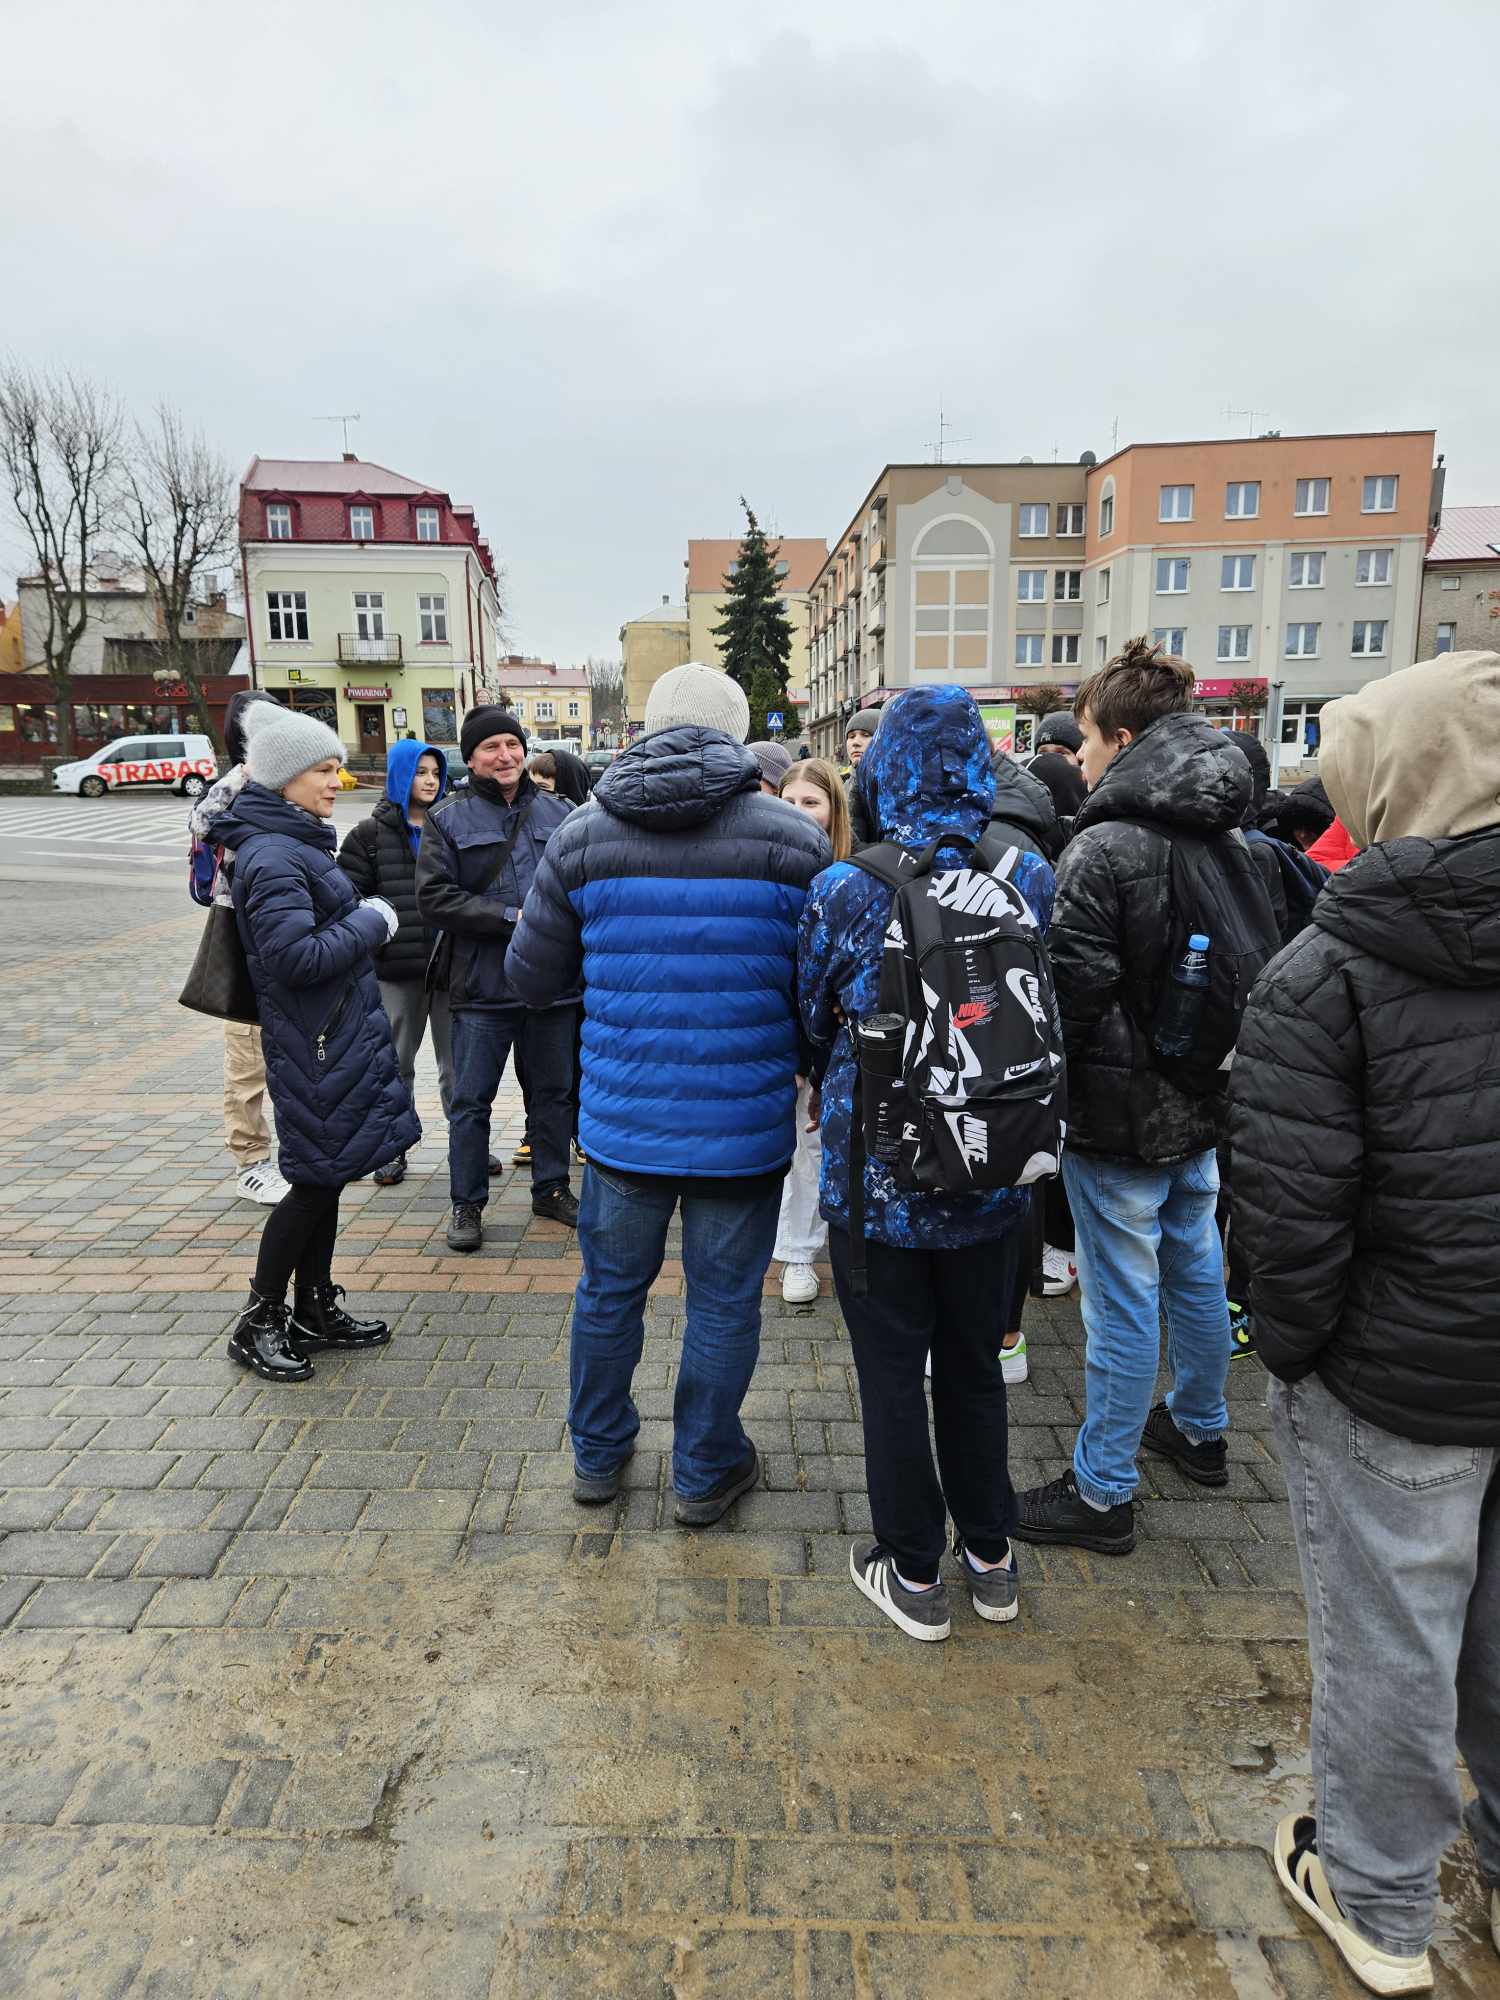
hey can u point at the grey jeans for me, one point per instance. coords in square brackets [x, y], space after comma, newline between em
[410, 1009]
[1400, 1550]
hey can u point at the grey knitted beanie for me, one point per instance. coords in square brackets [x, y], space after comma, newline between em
[695, 694]
[282, 743]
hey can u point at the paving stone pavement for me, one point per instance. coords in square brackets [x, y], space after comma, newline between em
[309, 1689]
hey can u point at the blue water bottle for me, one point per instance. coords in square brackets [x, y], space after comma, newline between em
[1183, 1002]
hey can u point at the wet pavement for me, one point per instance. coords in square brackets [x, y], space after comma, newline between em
[315, 1689]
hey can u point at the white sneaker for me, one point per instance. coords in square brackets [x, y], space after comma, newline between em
[261, 1183]
[799, 1284]
[1013, 1361]
[1295, 1855]
[1059, 1272]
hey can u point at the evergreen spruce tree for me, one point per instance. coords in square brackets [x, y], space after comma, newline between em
[755, 634]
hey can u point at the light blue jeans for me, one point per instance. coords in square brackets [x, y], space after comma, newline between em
[1147, 1242]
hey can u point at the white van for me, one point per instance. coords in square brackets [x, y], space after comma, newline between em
[186, 763]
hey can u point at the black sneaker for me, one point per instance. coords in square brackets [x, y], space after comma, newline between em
[393, 1172]
[711, 1506]
[920, 1614]
[494, 1163]
[556, 1205]
[995, 1592]
[1241, 1331]
[597, 1492]
[1058, 1512]
[1207, 1464]
[466, 1227]
[521, 1157]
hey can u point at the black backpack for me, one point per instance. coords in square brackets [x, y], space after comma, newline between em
[971, 1094]
[1216, 889]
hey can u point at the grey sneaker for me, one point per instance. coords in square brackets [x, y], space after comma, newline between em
[709, 1507]
[921, 1614]
[598, 1492]
[995, 1592]
[466, 1228]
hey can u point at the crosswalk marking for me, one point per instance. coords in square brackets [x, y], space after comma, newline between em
[112, 823]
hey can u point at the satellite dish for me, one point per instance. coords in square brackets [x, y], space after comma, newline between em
[1089, 458]
[1028, 461]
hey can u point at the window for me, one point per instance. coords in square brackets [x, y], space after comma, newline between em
[427, 524]
[1234, 642]
[1447, 637]
[1070, 517]
[1369, 637]
[1172, 637]
[1034, 519]
[1106, 515]
[1450, 583]
[1312, 496]
[954, 580]
[361, 524]
[279, 521]
[1237, 573]
[1305, 570]
[1031, 586]
[574, 711]
[1172, 574]
[369, 614]
[1104, 586]
[1379, 495]
[546, 711]
[287, 614]
[432, 610]
[439, 715]
[1028, 649]
[1302, 642]
[1176, 504]
[1100, 649]
[1065, 649]
[1373, 566]
[783, 569]
[1242, 500]
[1067, 585]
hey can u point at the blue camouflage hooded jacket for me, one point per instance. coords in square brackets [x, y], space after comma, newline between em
[930, 770]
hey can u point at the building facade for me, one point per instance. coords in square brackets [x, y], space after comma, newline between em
[553, 702]
[649, 645]
[709, 563]
[1461, 585]
[371, 599]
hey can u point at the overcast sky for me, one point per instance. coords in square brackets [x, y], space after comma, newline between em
[598, 269]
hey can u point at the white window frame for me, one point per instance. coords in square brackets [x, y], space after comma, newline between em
[1359, 638]
[546, 711]
[1301, 651]
[1027, 644]
[1037, 592]
[1164, 635]
[1368, 560]
[282, 605]
[1305, 557]
[1229, 647]
[1101, 649]
[1061, 580]
[429, 517]
[1377, 483]
[278, 521]
[361, 523]
[575, 711]
[1237, 491]
[1069, 512]
[1309, 488]
[1067, 649]
[1172, 565]
[1236, 567]
[1174, 509]
[432, 616]
[1447, 635]
[1104, 584]
[369, 609]
[1106, 515]
[1028, 512]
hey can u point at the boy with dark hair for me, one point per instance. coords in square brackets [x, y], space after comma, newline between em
[1159, 829]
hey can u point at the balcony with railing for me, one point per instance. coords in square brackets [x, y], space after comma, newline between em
[355, 650]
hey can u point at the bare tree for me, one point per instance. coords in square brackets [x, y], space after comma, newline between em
[1041, 700]
[607, 693]
[176, 509]
[59, 453]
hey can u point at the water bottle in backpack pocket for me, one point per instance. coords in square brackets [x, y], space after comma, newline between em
[880, 1043]
[1184, 1000]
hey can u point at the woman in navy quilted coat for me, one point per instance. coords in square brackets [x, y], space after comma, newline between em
[341, 1106]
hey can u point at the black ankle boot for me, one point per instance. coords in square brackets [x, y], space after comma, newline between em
[260, 1342]
[319, 1320]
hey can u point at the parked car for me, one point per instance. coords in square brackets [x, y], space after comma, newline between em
[185, 764]
[600, 760]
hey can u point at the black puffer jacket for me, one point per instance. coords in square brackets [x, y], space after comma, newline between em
[1023, 811]
[378, 859]
[1366, 1136]
[1111, 931]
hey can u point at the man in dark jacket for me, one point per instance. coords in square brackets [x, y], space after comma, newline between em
[1140, 1167]
[1055, 765]
[479, 856]
[1366, 1124]
[379, 856]
[676, 896]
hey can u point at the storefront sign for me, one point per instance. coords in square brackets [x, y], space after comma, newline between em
[353, 693]
[999, 719]
[1222, 690]
[398, 718]
[294, 673]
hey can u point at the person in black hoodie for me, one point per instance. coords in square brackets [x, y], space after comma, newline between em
[1055, 765]
[1366, 1128]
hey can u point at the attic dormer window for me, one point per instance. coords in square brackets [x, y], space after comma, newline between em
[361, 524]
[279, 521]
[427, 524]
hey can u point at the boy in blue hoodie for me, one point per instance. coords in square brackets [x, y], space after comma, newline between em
[380, 858]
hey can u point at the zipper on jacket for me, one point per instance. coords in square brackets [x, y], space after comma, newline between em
[331, 1023]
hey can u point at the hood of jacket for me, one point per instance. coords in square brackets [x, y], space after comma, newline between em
[254, 809]
[1417, 752]
[928, 769]
[677, 777]
[1025, 802]
[401, 762]
[574, 780]
[1431, 906]
[1180, 772]
[1255, 756]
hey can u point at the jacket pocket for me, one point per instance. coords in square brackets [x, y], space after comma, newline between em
[1407, 1462]
[320, 1041]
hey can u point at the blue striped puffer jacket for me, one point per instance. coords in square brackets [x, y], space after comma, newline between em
[677, 893]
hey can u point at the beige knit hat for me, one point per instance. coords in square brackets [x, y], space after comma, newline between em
[704, 697]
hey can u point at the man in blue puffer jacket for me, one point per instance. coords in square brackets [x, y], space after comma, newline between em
[677, 894]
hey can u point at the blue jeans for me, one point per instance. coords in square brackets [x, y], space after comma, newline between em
[726, 1247]
[482, 1039]
[1146, 1240]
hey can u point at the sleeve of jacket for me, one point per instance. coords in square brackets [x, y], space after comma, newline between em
[441, 900]
[1297, 1153]
[545, 961]
[1084, 940]
[295, 949]
[357, 856]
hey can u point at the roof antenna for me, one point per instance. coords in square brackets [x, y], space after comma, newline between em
[351, 417]
[936, 445]
[1248, 415]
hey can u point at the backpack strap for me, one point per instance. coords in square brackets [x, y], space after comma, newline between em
[859, 1262]
[896, 866]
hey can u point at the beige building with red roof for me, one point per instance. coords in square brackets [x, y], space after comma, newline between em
[1461, 585]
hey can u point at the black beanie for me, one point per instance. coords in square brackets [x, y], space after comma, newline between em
[482, 723]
